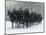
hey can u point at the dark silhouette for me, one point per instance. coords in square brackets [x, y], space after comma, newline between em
[26, 12]
[22, 17]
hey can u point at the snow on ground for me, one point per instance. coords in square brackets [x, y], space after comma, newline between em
[36, 28]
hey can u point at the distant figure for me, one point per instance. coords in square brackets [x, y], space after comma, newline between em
[20, 16]
[26, 17]
[9, 12]
[14, 10]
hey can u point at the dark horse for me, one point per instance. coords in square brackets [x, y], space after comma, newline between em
[24, 17]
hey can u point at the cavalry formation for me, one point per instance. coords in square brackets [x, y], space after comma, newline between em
[24, 17]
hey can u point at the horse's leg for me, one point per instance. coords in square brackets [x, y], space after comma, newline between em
[27, 25]
[23, 24]
[18, 24]
[12, 25]
[32, 23]
[37, 23]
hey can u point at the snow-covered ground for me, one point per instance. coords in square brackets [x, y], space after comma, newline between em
[36, 28]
